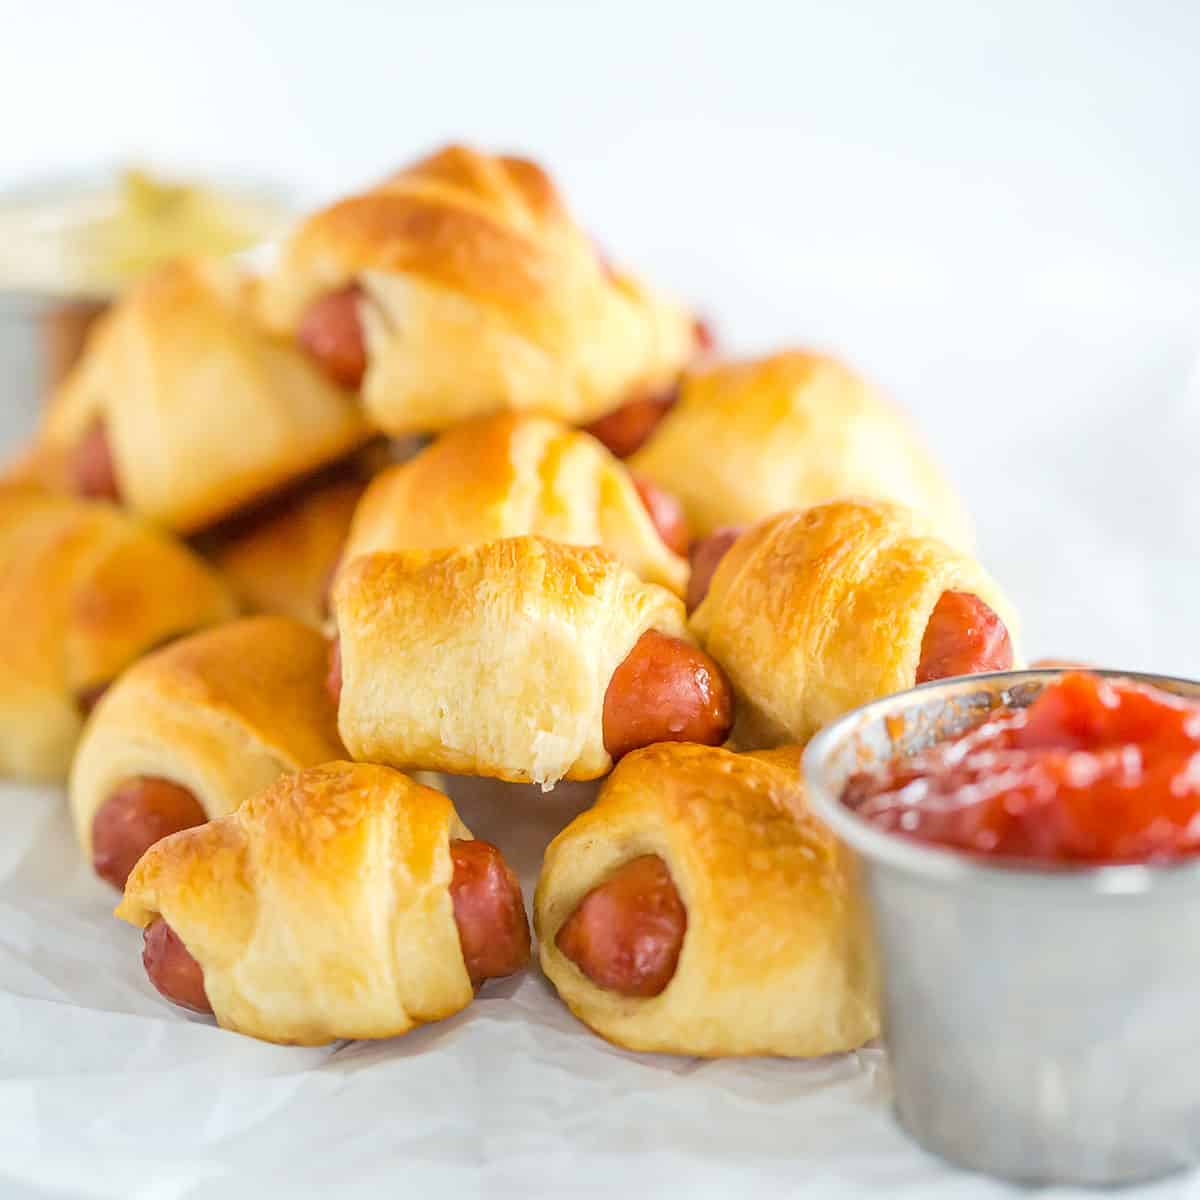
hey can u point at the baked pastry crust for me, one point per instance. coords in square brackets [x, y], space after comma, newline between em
[748, 439]
[318, 910]
[223, 713]
[491, 659]
[84, 591]
[775, 959]
[813, 613]
[204, 410]
[481, 294]
[510, 475]
[281, 560]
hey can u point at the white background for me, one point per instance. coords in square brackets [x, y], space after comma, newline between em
[993, 209]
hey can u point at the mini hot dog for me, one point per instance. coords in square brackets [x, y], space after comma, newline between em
[331, 331]
[345, 901]
[172, 969]
[814, 612]
[185, 409]
[333, 675]
[461, 287]
[697, 908]
[523, 659]
[963, 637]
[667, 514]
[140, 812]
[91, 468]
[665, 690]
[192, 730]
[627, 428]
[627, 932]
[488, 912]
[706, 555]
[517, 474]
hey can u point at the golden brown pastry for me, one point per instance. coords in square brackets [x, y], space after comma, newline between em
[522, 659]
[281, 558]
[698, 908]
[84, 591]
[509, 475]
[216, 716]
[345, 901]
[813, 613]
[461, 287]
[748, 439]
[184, 409]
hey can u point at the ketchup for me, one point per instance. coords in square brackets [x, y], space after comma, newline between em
[1094, 771]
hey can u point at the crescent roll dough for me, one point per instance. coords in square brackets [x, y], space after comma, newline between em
[320, 909]
[774, 959]
[491, 659]
[281, 559]
[84, 591]
[813, 613]
[480, 294]
[510, 475]
[749, 439]
[221, 713]
[204, 411]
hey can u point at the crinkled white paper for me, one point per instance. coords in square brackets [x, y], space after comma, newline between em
[108, 1091]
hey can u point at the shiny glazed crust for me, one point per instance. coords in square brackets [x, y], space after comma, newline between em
[510, 475]
[748, 439]
[223, 713]
[205, 411]
[481, 295]
[320, 909]
[490, 660]
[774, 960]
[813, 613]
[84, 591]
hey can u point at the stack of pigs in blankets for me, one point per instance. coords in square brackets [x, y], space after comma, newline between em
[443, 491]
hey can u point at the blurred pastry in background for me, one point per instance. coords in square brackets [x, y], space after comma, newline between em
[65, 328]
[184, 409]
[750, 438]
[68, 249]
[280, 556]
[85, 591]
[461, 287]
[515, 474]
[188, 733]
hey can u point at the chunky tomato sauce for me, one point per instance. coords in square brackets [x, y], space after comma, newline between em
[1095, 770]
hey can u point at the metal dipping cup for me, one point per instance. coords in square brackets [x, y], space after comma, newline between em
[1043, 1024]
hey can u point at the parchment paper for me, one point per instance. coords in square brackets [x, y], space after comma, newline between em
[108, 1091]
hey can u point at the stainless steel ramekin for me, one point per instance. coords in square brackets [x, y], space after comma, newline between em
[1042, 1024]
